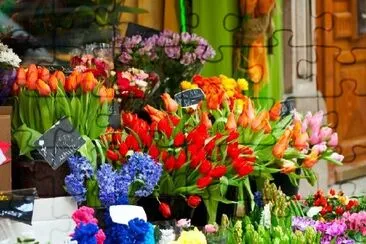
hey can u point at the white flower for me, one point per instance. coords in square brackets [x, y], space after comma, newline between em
[313, 211]
[167, 236]
[141, 83]
[266, 217]
[8, 57]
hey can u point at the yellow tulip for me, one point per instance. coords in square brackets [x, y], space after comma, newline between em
[243, 84]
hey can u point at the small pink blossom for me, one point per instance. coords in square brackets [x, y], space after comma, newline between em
[316, 121]
[84, 215]
[210, 228]
[325, 133]
[333, 141]
[100, 236]
[321, 147]
[337, 157]
[184, 223]
[315, 138]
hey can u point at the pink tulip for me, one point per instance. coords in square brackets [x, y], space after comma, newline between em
[333, 141]
[336, 156]
[209, 228]
[321, 147]
[305, 122]
[315, 138]
[316, 121]
[325, 133]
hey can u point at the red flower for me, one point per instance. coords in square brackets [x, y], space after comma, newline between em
[321, 201]
[319, 193]
[112, 155]
[123, 149]
[169, 163]
[164, 155]
[246, 150]
[132, 143]
[129, 119]
[180, 160]
[146, 138]
[179, 139]
[218, 171]
[174, 119]
[232, 136]
[204, 181]
[352, 203]
[193, 201]
[210, 146]
[165, 127]
[193, 149]
[165, 210]
[154, 151]
[205, 167]
[339, 210]
[242, 167]
[233, 150]
[332, 192]
[117, 137]
[298, 197]
[122, 83]
[197, 158]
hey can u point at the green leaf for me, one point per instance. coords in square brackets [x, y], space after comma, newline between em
[265, 154]
[75, 107]
[224, 183]
[330, 159]
[101, 152]
[310, 176]
[292, 153]
[101, 16]
[89, 151]
[25, 138]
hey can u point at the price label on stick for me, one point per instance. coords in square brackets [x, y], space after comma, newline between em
[58, 143]
[190, 97]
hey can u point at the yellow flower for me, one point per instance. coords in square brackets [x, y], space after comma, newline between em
[194, 86]
[229, 84]
[230, 93]
[243, 84]
[344, 200]
[191, 237]
[185, 85]
[238, 106]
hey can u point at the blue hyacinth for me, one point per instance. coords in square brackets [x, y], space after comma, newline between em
[75, 187]
[85, 233]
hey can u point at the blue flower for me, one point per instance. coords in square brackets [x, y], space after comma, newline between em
[75, 187]
[258, 199]
[85, 233]
[141, 167]
[80, 166]
[113, 185]
[138, 228]
[150, 235]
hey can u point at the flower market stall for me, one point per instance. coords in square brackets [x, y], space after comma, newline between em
[193, 160]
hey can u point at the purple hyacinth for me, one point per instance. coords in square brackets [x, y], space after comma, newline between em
[75, 187]
[7, 78]
[80, 166]
[301, 223]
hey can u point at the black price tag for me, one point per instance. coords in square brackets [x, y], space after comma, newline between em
[189, 97]
[143, 31]
[58, 143]
[18, 205]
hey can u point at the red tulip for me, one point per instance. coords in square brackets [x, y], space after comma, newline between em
[174, 119]
[132, 143]
[170, 104]
[218, 171]
[232, 136]
[112, 155]
[165, 127]
[210, 146]
[197, 158]
[43, 88]
[179, 139]
[193, 201]
[181, 160]
[205, 167]
[204, 181]
[165, 210]
[154, 151]
[164, 155]
[233, 150]
[339, 210]
[123, 149]
[169, 163]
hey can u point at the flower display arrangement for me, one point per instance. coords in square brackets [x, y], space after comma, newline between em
[51, 96]
[175, 57]
[9, 61]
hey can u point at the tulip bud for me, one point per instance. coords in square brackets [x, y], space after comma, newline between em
[165, 210]
[170, 104]
[333, 141]
[21, 77]
[193, 201]
[112, 155]
[43, 88]
[231, 123]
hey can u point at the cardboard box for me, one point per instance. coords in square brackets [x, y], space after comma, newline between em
[5, 135]
[51, 222]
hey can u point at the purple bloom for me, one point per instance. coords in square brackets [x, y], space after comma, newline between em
[258, 199]
[125, 58]
[75, 187]
[7, 78]
[81, 167]
[301, 223]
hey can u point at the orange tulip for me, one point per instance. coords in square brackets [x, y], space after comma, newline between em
[43, 74]
[43, 88]
[250, 6]
[205, 120]
[32, 77]
[275, 112]
[243, 119]
[267, 127]
[280, 147]
[231, 123]
[88, 82]
[311, 159]
[106, 94]
[156, 115]
[301, 141]
[170, 104]
[53, 82]
[260, 122]
[21, 77]
[60, 77]
[70, 83]
[288, 167]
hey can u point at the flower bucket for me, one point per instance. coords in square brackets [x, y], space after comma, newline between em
[39, 174]
[283, 181]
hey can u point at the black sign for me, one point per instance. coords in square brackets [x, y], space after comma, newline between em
[144, 32]
[189, 97]
[59, 143]
[18, 205]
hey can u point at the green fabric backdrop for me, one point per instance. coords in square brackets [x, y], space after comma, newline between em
[211, 16]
